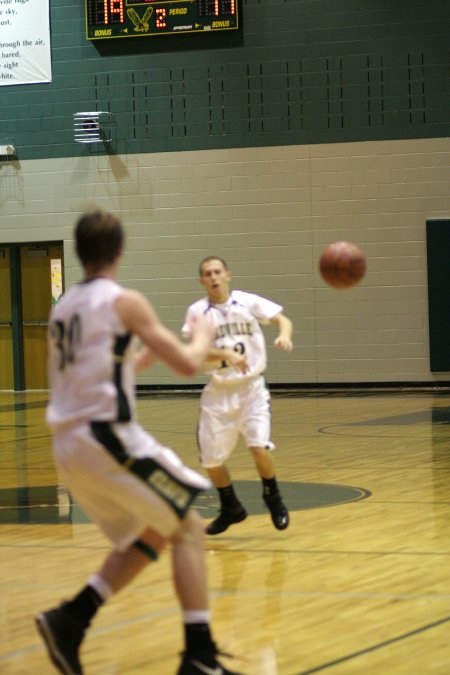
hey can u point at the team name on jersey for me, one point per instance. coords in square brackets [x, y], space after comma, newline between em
[234, 328]
[169, 488]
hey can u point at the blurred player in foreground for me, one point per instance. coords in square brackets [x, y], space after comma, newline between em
[236, 400]
[137, 491]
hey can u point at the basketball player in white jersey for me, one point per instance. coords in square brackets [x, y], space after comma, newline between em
[236, 399]
[137, 491]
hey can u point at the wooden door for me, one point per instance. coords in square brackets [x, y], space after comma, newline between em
[36, 284]
[6, 344]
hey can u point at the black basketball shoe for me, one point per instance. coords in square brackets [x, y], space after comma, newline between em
[203, 664]
[62, 635]
[278, 511]
[226, 518]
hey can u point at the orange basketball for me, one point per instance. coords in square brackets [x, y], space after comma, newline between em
[342, 264]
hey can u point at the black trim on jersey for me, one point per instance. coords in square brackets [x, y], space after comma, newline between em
[123, 405]
[178, 495]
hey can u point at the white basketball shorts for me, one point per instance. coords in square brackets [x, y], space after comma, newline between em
[226, 412]
[125, 480]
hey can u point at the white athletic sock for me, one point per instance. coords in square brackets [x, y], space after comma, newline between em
[100, 585]
[197, 616]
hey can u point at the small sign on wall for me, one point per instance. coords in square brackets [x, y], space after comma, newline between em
[25, 50]
[56, 274]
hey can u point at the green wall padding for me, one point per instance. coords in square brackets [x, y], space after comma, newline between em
[298, 72]
[438, 260]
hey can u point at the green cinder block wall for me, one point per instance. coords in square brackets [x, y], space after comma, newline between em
[299, 71]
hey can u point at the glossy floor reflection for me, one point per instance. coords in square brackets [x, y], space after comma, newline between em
[358, 583]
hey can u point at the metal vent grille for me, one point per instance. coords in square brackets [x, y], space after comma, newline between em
[92, 127]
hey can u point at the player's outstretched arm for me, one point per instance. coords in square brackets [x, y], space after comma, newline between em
[285, 328]
[139, 317]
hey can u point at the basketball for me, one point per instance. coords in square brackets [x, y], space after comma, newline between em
[342, 264]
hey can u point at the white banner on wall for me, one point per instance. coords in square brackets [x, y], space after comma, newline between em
[25, 49]
[56, 276]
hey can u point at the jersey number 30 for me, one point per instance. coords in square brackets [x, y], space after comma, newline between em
[66, 338]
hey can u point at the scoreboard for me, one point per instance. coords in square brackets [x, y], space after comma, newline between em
[139, 18]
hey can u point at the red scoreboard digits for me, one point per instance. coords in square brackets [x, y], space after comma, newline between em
[161, 13]
[116, 8]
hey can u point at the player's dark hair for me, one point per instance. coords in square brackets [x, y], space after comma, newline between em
[99, 239]
[207, 259]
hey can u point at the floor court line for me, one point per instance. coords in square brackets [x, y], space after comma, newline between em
[380, 645]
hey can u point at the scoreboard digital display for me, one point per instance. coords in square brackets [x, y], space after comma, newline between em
[139, 18]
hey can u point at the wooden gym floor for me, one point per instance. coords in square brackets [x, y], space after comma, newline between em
[359, 583]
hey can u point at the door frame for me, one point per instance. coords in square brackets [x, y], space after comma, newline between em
[16, 303]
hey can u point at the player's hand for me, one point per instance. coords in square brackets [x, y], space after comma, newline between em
[202, 325]
[285, 343]
[143, 359]
[237, 360]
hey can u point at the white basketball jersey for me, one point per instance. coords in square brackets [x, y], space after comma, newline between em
[238, 327]
[90, 363]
